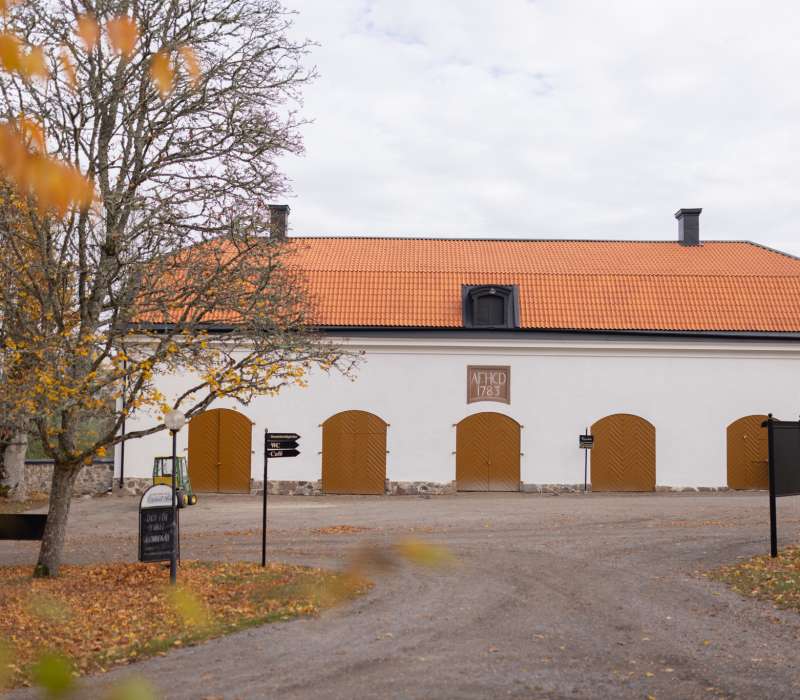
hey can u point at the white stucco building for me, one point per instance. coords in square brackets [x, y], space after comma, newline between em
[485, 359]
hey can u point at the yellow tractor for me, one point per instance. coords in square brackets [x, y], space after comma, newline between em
[162, 474]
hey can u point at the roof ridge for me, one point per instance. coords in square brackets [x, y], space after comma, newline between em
[610, 273]
[459, 239]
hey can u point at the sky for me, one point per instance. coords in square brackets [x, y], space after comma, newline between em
[550, 119]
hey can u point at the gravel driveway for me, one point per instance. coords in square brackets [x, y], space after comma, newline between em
[566, 596]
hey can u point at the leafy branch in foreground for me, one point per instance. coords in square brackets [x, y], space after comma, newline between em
[176, 113]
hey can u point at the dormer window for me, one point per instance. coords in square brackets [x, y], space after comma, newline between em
[490, 306]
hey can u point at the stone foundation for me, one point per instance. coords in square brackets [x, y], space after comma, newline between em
[288, 488]
[578, 488]
[99, 478]
[392, 488]
[691, 489]
[419, 488]
[92, 479]
[132, 485]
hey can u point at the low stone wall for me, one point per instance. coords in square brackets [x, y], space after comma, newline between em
[92, 479]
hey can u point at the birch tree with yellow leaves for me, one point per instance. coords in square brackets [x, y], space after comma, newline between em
[146, 137]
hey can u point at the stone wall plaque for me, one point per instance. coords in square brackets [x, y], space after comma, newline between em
[488, 383]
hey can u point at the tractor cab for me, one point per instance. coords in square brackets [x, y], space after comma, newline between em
[162, 474]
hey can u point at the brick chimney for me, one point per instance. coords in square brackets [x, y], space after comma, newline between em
[688, 226]
[278, 221]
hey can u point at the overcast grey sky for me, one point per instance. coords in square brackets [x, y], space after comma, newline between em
[510, 118]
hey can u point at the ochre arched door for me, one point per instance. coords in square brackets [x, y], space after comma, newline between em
[748, 454]
[220, 443]
[487, 453]
[354, 453]
[624, 454]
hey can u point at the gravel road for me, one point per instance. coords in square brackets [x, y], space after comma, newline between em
[570, 596]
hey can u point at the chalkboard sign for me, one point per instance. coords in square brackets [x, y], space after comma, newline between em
[786, 457]
[155, 524]
[586, 442]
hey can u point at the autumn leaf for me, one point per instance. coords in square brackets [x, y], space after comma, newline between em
[422, 553]
[10, 55]
[32, 64]
[32, 130]
[68, 68]
[88, 31]
[191, 63]
[189, 607]
[53, 672]
[162, 73]
[123, 34]
[133, 689]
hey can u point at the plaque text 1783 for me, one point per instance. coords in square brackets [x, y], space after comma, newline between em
[488, 383]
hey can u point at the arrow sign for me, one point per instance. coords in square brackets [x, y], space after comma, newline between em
[281, 444]
[282, 453]
[282, 436]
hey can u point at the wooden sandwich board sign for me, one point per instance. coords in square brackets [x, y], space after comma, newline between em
[155, 525]
[276, 445]
[784, 468]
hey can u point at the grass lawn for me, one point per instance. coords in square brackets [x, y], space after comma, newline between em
[775, 580]
[100, 616]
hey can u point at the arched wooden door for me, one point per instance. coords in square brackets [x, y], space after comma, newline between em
[487, 453]
[748, 454]
[354, 453]
[624, 454]
[220, 443]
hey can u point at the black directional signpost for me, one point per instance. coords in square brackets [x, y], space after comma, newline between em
[586, 443]
[276, 445]
[784, 468]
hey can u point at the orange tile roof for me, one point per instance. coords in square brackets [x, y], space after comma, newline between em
[576, 285]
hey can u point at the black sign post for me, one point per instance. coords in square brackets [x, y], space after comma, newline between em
[275, 445]
[585, 442]
[784, 469]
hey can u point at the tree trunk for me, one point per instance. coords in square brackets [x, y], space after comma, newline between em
[53, 540]
[14, 466]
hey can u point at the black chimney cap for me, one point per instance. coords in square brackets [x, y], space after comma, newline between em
[688, 226]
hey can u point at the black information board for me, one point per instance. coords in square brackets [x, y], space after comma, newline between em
[155, 533]
[22, 526]
[586, 442]
[784, 469]
[786, 457]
